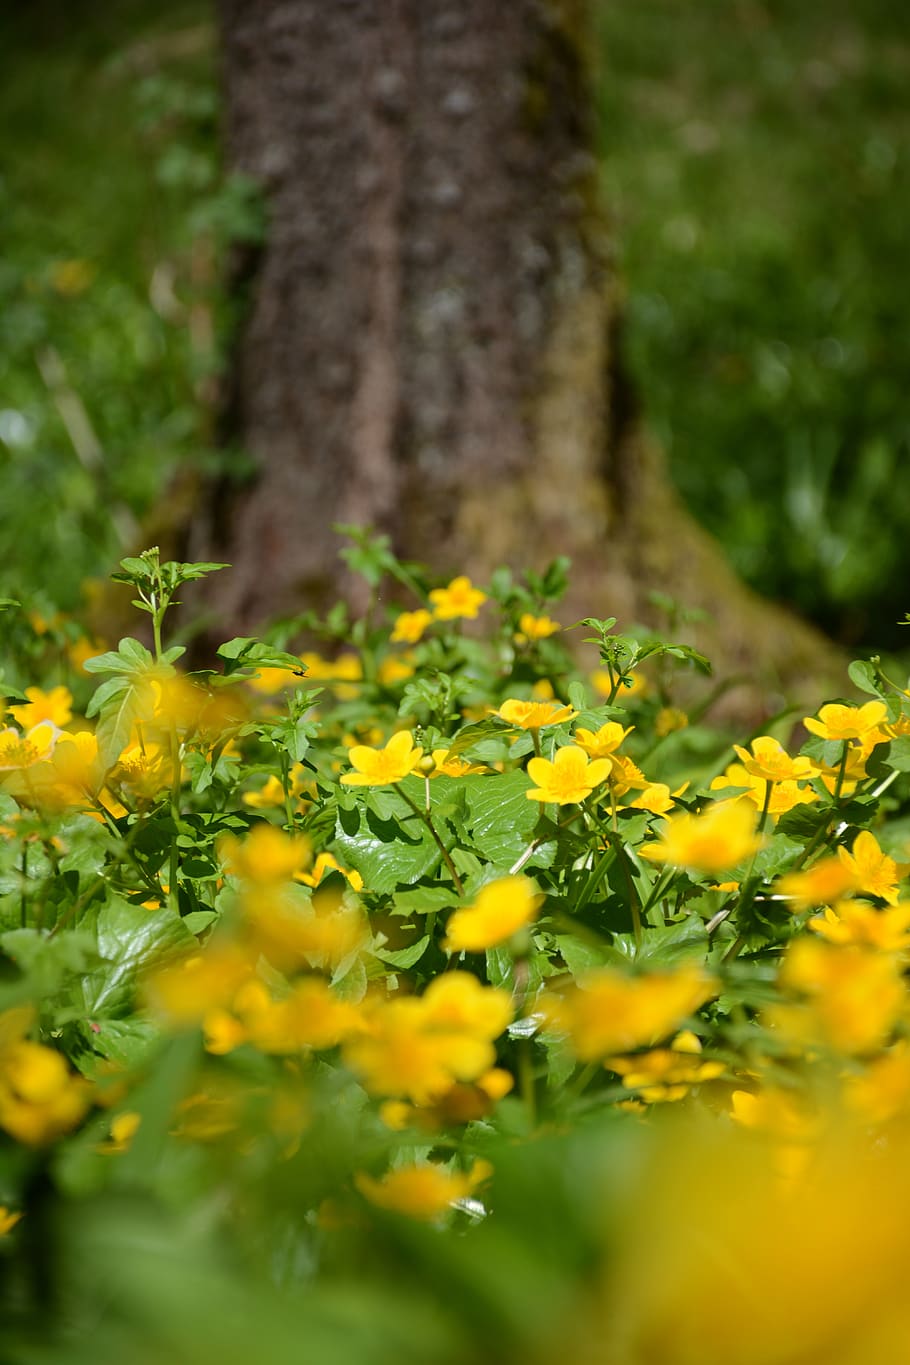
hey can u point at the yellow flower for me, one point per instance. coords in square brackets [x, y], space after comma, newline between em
[569, 778]
[872, 870]
[862, 924]
[343, 673]
[854, 771]
[82, 649]
[882, 1092]
[668, 719]
[532, 715]
[657, 798]
[453, 767]
[625, 775]
[145, 768]
[327, 862]
[603, 742]
[292, 932]
[410, 625]
[122, 1131]
[419, 1048]
[500, 910]
[8, 1220]
[422, 1191]
[836, 721]
[266, 855]
[719, 838]
[392, 671]
[665, 1074]
[40, 1098]
[602, 683]
[770, 761]
[268, 681]
[271, 795]
[312, 1016]
[459, 599]
[18, 752]
[55, 706]
[381, 767]
[184, 993]
[532, 627]
[608, 1012]
[821, 884]
[853, 995]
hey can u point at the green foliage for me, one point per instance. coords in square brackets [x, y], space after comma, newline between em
[330, 1027]
[755, 160]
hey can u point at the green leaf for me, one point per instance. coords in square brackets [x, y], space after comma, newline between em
[472, 734]
[199, 920]
[404, 957]
[389, 853]
[131, 941]
[49, 963]
[665, 945]
[897, 754]
[776, 856]
[863, 676]
[124, 1041]
[248, 653]
[129, 657]
[119, 714]
[502, 820]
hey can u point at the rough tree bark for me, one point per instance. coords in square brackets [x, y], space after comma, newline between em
[431, 341]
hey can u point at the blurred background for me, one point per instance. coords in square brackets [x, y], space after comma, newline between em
[755, 161]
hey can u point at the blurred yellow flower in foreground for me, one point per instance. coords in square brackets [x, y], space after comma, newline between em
[265, 855]
[499, 911]
[719, 838]
[608, 1011]
[8, 1220]
[40, 1098]
[423, 1190]
[747, 1267]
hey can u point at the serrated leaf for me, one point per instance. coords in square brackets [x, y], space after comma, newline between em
[502, 820]
[127, 1042]
[665, 945]
[131, 942]
[776, 856]
[389, 853]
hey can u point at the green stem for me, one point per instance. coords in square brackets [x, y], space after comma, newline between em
[427, 819]
[286, 784]
[23, 901]
[174, 863]
[526, 1079]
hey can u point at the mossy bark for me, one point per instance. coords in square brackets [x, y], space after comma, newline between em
[432, 344]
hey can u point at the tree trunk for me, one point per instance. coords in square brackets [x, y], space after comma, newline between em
[430, 345]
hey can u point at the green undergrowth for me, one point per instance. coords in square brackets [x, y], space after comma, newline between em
[424, 996]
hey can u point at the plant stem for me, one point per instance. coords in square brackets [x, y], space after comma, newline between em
[427, 819]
